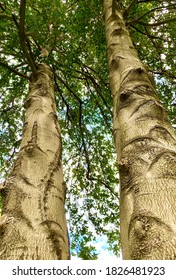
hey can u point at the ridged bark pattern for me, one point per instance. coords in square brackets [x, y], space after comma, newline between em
[146, 149]
[35, 189]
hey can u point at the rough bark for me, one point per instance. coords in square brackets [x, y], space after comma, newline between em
[146, 149]
[33, 225]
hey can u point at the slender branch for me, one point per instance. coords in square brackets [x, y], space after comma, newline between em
[164, 73]
[156, 9]
[106, 186]
[129, 8]
[2, 16]
[84, 143]
[152, 41]
[151, 37]
[34, 41]
[81, 127]
[96, 86]
[11, 69]
[2, 6]
[30, 51]
[153, 24]
[67, 86]
[147, 34]
[146, 1]
[82, 65]
[93, 70]
[71, 5]
[86, 73]
[23, 37]
[98, 104]
[63, 99]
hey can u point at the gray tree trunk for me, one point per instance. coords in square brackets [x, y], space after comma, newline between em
[146, 149]
[33, 224]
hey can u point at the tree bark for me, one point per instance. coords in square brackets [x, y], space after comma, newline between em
[146, 149]
[33, 224]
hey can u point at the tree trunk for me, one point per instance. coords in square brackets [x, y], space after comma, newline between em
[145, 144]
[33, 225]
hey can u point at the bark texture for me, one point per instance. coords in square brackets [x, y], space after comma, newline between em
[146, 149]
[33, 225]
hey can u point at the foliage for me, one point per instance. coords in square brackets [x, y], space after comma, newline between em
[155, 21]
[73, 34]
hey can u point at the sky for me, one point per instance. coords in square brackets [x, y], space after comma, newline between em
[102, 249]
[101, 246]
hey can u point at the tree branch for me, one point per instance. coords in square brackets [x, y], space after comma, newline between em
[2, 6]
[93, 70]
[22, 35]
[96, 86]
[105, 185]
[63, 99]
[86, 153]
[156, 9]
[146, 1]
[164, 73]
[2, 16]
[129, 8]
[67, 86]
[98, 104]
[11, 69]
[146, 34]
[153, 24]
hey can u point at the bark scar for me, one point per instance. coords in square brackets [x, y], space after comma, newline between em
[5, 219]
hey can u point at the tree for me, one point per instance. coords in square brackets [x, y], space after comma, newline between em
[145, 144]
[68, 36]
[49, 37]
[33, 224]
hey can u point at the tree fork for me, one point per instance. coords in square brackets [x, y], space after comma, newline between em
[146, 149]
[33, 225]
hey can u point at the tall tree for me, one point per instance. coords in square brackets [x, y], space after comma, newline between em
[54, 36]
[145, 142]
[33, 224]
